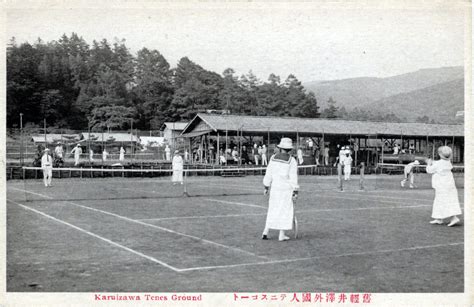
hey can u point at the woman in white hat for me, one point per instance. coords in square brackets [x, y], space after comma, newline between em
[282, 176]
[177, 165]
[446, 202]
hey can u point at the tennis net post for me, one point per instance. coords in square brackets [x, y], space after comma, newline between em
[362, 176]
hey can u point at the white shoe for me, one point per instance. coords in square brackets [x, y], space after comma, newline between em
[454, 221]
[283, 238]
[438, 222]
[402, 184]
[412, 186]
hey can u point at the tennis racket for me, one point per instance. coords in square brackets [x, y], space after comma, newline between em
[295, 221]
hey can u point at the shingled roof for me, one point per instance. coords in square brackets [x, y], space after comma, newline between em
[264, 124]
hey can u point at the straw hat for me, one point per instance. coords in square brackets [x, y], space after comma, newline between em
[416, 162]
[176, 152]
[285, 143]
[46, 149]
[445, 152]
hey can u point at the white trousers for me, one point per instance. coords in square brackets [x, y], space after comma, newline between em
[412, 178]
[47, 175]
[347, 172]
[264, 159]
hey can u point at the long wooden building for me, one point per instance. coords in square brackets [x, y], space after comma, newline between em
[370, 140]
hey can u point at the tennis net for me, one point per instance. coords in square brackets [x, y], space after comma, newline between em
[391, 177]
[77, 184]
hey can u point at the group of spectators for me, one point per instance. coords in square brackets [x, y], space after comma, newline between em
[397, 149]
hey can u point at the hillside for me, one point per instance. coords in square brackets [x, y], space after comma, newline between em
[357, 92]
[439, 102]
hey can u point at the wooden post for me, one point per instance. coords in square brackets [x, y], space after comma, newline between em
[433, 149]
[453, 149]
[217, 149]
[427, 144]
[383, 146]
[323, 151]
[366, 149]
[297, 139]
[339, 176]
[268, 139]
[362, 176]
[401, 140]
[103, 148]
[45, 141]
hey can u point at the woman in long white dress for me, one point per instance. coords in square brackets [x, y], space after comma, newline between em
[446, 202]
[122, 154]
[282, 176]
[177, 165]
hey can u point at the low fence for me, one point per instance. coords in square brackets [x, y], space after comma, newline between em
[17, 172]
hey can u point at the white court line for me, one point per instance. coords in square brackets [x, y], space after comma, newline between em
[200, 217]
[217, 216]
[98, 237]
[320, 257]
[235, 203]
[334, 196]
[364, 208]
[363, 194]
[29, 192]
[297, 211]
[161, 228]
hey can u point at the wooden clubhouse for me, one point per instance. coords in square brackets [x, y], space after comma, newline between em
[206, 133]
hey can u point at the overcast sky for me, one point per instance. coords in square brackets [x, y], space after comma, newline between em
[312, 42]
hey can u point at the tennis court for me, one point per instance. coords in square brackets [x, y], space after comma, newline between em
[142, 235]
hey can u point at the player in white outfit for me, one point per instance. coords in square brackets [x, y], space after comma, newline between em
[282, 176]
[446, 202]
[347, 162]
[122, 154]
[177, 166]
[264, 155]
[47, 166]
[77, 151]
[408, 173]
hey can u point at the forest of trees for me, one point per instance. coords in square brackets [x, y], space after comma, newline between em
[74, 85]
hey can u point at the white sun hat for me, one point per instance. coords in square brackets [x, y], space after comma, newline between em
[285, 143]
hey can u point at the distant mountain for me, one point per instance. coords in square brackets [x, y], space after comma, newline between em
[439, 102]
[358, 92]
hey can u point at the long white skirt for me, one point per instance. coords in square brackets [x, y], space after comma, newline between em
[177, 176]
[280, 210]
[446, 203]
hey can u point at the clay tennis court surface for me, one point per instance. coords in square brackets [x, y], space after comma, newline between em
[140, 235]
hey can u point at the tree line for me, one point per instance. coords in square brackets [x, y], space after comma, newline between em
[75, 85]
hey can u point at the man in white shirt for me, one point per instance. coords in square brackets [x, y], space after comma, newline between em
[104, 155]
[326, 155]
[347, 162]
[396, 149]
[264, 155]
[77, 151]
[408, 174]
[59, 150]
[168, 153]
[299, 155]
[47, 166]
[235, 155]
